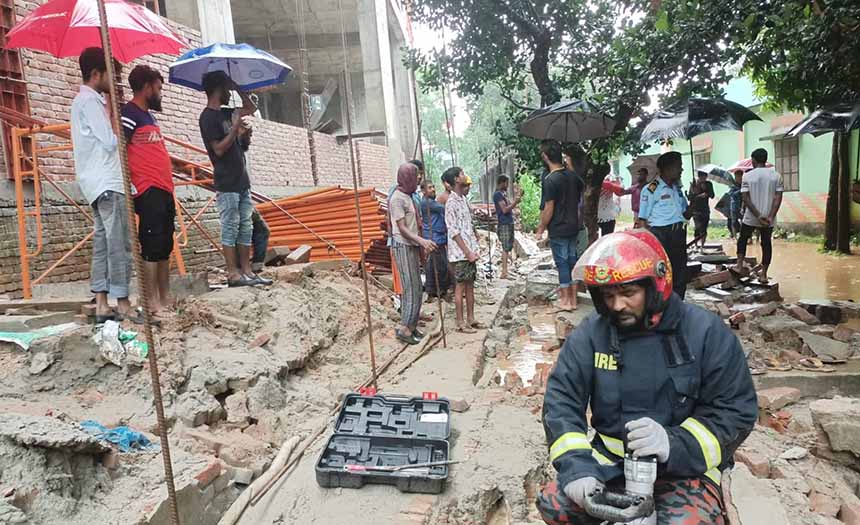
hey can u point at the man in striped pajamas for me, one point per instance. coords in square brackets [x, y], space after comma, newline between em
[406, 245]
[663, 378]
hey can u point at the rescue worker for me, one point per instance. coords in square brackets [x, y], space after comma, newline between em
[663, 210]
[662, 377]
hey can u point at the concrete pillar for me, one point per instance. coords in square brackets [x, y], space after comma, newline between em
[214, 18]
[378, 75]
[216, 21]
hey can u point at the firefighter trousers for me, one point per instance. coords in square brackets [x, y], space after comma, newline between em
[679, 502]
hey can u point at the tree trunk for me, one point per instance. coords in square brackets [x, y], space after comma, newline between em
[837, 224]
[831, 219]
[594, 180]
[843, 226]
[540, 71]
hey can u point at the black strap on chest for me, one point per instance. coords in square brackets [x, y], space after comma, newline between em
[615, 346]
[676, 350]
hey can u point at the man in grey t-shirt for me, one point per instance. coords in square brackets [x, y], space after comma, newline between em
[761, 191]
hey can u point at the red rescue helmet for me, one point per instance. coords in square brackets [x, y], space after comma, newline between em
[627, 257]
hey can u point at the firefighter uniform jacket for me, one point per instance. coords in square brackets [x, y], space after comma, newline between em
[689, 374]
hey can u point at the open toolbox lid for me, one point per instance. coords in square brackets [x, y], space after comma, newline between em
[394, 416]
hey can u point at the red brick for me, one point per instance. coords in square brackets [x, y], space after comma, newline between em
[758, 464]
[209, 474]
[778, 397]
[849, 513]
[824, 504]
[843, 333]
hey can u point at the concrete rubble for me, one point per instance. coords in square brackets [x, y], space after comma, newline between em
[243, 370]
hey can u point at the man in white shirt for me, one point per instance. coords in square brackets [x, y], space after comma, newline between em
[761, 191]
[99, 175]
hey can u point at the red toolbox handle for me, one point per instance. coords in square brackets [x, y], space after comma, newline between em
[367, 391]
[430, 396]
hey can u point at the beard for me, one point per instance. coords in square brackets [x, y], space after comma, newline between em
[627, 321]
[154, 103]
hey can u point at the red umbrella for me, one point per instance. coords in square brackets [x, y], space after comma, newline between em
[64, 28]
[745, 165]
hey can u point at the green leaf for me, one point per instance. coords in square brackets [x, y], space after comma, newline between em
[807, 11]
[749, 21]
[662, 23]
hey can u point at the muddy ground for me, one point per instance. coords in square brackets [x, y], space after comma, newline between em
[243, 370]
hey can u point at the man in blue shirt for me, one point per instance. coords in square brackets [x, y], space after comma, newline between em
[436, 282]
[663, 210]
[505, 219]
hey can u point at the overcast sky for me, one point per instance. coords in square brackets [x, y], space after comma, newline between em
[426, 39]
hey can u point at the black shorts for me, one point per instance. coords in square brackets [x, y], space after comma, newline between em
[157, 212]
[701, 221]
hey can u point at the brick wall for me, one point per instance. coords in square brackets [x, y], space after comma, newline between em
[280, 158]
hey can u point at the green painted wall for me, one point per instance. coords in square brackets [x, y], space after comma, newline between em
[730, 146]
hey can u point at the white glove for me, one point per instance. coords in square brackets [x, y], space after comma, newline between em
[646, 437]
[579, 489]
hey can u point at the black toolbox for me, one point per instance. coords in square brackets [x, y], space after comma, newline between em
[388, 431]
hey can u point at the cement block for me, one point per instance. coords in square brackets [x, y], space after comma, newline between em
[757, 500]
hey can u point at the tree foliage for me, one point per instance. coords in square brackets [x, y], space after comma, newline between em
[613, 52]
[802, 56]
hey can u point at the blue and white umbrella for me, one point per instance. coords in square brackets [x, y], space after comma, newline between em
[249, 67]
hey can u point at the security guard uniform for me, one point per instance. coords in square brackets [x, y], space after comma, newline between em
[687, 371]
[664, 208]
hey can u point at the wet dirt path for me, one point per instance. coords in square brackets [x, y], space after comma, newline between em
[804, 273]
[451, 373]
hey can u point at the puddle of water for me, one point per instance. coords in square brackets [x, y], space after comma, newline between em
[530, 351]
[803, 273]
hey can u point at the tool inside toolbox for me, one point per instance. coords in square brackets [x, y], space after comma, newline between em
[372, 451]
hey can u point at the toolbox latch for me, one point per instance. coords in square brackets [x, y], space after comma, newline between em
[430, 396]
[367, 391]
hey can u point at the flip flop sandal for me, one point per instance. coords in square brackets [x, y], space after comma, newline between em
[408, 339]
[102, 319]
[136, 317]
[466, 330]
[479, 325]
[775, 365]
[242, 281]
[418, 334]
[815, 364]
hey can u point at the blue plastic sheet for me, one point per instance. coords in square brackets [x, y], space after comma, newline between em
[126, 439]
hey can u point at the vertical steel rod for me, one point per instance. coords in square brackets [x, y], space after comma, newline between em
[138, 266]
[351, 142]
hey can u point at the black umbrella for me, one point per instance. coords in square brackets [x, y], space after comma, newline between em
[568, 121]
[843, 117]
[695, 117]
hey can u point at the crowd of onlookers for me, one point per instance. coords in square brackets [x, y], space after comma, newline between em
[226, 135]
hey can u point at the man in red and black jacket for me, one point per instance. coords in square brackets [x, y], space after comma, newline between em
[152, 178]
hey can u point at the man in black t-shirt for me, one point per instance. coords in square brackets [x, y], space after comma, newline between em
[224, 132]
[560, 216]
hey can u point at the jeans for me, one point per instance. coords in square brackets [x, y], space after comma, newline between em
[766, 245]
[111, 265]
[259, 237]
[235, 213]
[564, 255]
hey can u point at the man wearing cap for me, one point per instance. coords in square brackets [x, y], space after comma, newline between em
[463, 253]
[663, 210]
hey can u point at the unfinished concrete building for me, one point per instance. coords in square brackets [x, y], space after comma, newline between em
[375, 32]
[38, 90]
